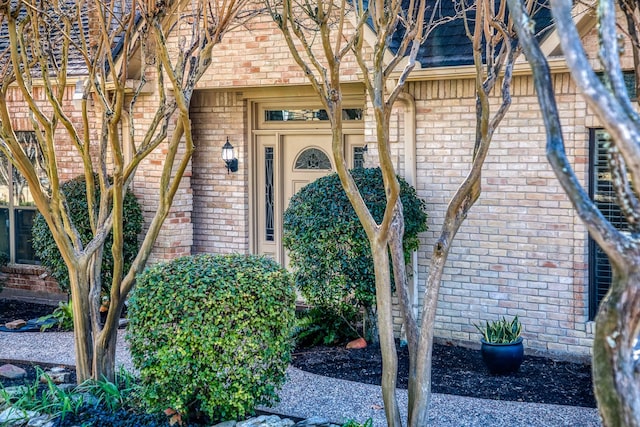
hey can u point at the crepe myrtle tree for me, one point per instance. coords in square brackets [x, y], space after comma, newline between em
[320, 36]
[615, 362]
[47, 42]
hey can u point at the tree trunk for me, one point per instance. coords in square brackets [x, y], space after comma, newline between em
[95, 349]
[385, 324]
[104, 359]
[82, 331]
[371, 331]
[420, 368]
[616, 370]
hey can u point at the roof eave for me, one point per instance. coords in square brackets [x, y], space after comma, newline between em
[556, 65]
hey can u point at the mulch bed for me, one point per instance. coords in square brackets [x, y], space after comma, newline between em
[456, 370]
[14, 309]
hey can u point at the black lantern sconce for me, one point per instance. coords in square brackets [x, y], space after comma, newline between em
[229, 157]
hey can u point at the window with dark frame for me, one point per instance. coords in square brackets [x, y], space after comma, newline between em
[269, 195]
[603, 194]
[17, 208]
[309, 114]
[358, 157]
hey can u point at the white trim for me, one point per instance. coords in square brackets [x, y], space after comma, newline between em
[585, 19]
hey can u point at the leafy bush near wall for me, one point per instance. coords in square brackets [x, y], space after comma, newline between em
[328, 247]
[76, 197]
[319, 326]
[211, 334]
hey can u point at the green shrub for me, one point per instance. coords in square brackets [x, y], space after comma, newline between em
[211, 334]
[76, 196]
[329, 250]
[353, 423]
[318, 326]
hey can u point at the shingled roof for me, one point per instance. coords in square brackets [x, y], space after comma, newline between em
[54, 38]
[448, 45]
[76, 61]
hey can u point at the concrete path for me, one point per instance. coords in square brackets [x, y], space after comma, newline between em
[305, 395]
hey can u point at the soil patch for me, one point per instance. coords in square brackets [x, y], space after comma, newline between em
[458, 370]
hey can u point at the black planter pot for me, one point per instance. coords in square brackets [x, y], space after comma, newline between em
[502, 358]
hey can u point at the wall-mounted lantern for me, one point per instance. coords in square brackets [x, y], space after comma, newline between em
[229, 157]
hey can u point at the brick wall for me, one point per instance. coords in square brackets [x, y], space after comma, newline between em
[521, 250]
[256, 55]
[220, 199]
[68, 163]
[31, 278]
[176, 235]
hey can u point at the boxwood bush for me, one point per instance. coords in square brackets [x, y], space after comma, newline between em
[329, 250]
[211, 334]
[76, 196]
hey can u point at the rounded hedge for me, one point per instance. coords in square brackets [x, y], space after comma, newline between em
[328, 247]
[76, 196]
[211, 334]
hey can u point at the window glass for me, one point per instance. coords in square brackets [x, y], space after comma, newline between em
[358, 157]
[5, 180]
[604, 196]
[309, 114]
[17, 207]
[21, 192]
[24, 248]
[4, 231]
[268, 191]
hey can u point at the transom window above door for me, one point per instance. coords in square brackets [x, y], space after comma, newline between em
[309, 114]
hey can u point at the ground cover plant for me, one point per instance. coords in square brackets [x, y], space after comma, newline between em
[317, 325]
[61, 318]
[211, 334]
[92, 403]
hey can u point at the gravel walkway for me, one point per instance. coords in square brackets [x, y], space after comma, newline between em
[305, 395]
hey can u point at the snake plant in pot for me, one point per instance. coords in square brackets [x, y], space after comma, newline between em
[502, 349]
